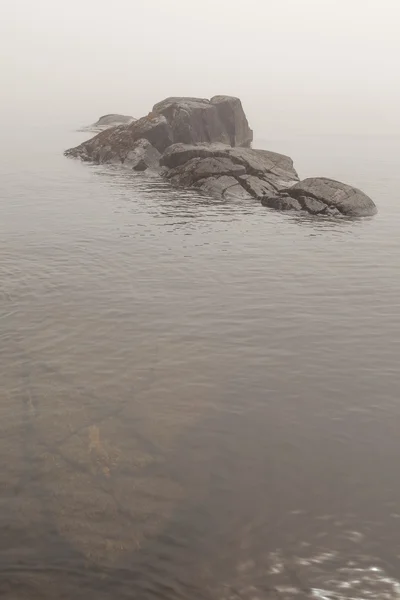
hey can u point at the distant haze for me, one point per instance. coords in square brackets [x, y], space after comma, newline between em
[299, 66]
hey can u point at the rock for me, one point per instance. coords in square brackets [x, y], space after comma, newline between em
[192, 120]
[312, 205]
[256, 187]
[143, 156]
[231, 114]
[344, 198]
[225, 187]
[206, 144]
[174, 120]
[276, 168]
[155, 129]
[322, 196]
[189, 173]
[121, 140]
[281, 203]
[332, 212]
[197, 120]
[179, 154]
[107, 121]
[264, 172]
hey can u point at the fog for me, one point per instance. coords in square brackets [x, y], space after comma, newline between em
[299, 66]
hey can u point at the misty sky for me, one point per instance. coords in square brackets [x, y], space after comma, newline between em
[299, 66]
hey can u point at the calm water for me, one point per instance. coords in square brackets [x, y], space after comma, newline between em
[199, 400]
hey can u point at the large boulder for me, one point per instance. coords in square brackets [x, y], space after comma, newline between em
[276, 168]
[197, 120]
[258, 172]
[224, 186]
[200, 168]
[257, 162]
[179, 154]
[106, 121]
[231, 114]
[320, 195]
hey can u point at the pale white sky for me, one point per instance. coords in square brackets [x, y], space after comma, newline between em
[299, 66]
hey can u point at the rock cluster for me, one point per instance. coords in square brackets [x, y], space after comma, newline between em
[206, 144]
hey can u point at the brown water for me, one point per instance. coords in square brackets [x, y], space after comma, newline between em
[199, 399]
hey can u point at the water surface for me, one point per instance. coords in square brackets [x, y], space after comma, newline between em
[199, 399]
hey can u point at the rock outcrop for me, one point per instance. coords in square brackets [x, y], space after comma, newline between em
[322, 196]
[257, 172]
[206, 144]
[107, 121]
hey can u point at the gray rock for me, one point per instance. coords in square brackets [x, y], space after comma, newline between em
[179, 154]
[197, 168]
[281, 203]
[332, 212]
[174, 120]
[312, 205]
[143, 156]
[206, 144]
[231, 114]
[276, 168]
[155, 129]
[107, 121]
[225, 187]
[264, 172]
[257, 162]
[120, 140]
[197, 120]
[256, 187]
[346, 199]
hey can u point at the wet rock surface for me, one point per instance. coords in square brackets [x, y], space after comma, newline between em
[197, 168]
[195, 142]
[322, 196]
[344, 198]
[256, 171]
[281, 203]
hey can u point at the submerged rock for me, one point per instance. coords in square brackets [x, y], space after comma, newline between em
[206, 144]
[320, 195]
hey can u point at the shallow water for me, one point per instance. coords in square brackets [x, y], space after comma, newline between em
[199, 399]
